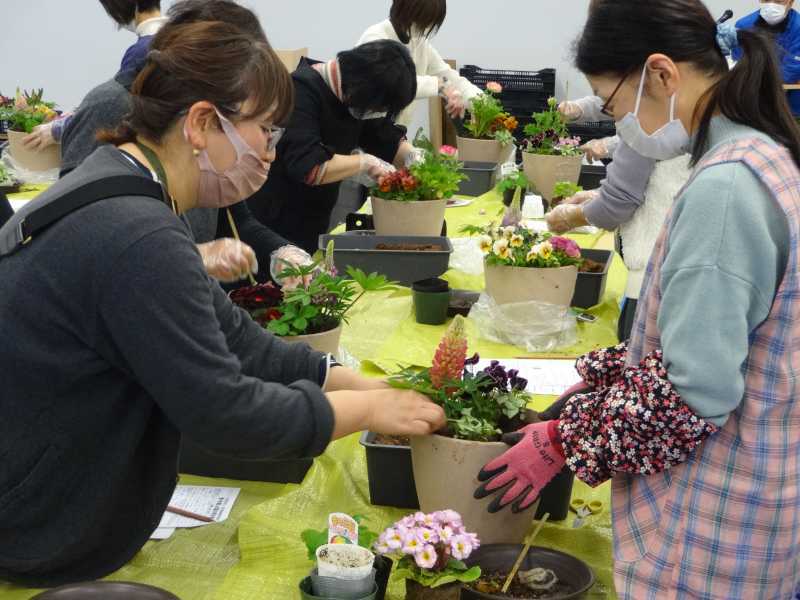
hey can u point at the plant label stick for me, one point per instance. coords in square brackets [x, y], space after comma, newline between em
[342, 529]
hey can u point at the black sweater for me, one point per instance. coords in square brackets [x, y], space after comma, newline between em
[319, 127]
[113, 343]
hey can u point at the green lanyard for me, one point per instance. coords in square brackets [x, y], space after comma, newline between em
[154, 161]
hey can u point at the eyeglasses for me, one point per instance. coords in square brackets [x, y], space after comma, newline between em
[274, 135]
[604, 108]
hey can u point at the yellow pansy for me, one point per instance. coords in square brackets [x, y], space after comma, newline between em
[545, 250]
[517, 241]
[501, 249]
[485, 244]
[508, 232]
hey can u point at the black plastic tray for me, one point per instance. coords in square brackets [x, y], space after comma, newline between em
[591, 286]
[195, 460]
[403, 266]
[391, 474]
[481, 178]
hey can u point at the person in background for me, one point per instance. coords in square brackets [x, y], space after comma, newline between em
[342, 126]
[142, 17]
[105, 107]
[782, 23]
[414, 23]
[139, 346]
[590, 110]
[695, 419]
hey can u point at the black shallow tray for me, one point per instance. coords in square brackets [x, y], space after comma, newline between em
[359, 250]
[106, 590]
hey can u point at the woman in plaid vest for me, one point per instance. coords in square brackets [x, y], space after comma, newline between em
[695, 421]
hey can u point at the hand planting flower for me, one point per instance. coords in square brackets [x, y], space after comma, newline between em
[437, 561]
[494, 87]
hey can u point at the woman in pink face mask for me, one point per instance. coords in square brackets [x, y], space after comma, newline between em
[129, 344]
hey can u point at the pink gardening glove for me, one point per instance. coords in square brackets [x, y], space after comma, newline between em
[520, 474]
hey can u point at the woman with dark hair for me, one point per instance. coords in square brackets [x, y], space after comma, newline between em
[343, 126]
[695, 420]
[413, 23]
[122, 343]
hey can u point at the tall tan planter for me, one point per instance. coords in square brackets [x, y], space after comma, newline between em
[421, 218]
[327, 341]
[47, 159]
[545, 171]
[509, 285]
[470, 149]
[446, 474]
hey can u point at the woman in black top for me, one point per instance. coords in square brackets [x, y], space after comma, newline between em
[341, 106]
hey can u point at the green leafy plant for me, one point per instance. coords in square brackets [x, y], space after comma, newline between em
[512, 182]
[548, 134]
[27, 111]
[314, 538]
[518, 246]
[478, 406]
[565, 189]
[487, 118]
[437, 176]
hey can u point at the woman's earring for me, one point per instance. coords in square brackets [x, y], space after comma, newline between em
[195, 152]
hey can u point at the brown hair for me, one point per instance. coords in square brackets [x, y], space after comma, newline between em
[427, 15]
[211, 61]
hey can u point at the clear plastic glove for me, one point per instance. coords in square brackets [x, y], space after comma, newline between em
[455, 103]
[581, 197]
[414, 156]
[565, 217]
[41, 138]
[370, 169]
[228, 260]
[287, 257]
[571, 111]
[597, 149]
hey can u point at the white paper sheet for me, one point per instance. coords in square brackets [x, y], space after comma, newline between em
[213, 502]
[545, 377]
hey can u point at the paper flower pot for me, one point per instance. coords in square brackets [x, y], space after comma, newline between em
[545, 171]
[510, 285]
[421, 218]
[327, 341]
[415, 591]
[446, 474]
[346, 562]
[470, 149]
[46, 160]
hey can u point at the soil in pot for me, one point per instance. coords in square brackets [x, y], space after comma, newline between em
[492, 583]
[591, 266]
[415, 591]
[392, 440]
[410, 247]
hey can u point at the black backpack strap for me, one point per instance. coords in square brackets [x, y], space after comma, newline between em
[110, 187]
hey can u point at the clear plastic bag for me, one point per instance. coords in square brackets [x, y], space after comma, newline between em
[26, 176]
[534, 326]
[467, 256]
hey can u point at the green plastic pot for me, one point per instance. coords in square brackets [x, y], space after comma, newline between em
[431, 301]
[307, 592]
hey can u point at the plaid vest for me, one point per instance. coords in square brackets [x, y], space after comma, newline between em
[725, 524]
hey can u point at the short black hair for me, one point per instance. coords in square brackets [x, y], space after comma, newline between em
[227, 11]
[378, 77]
[124, 11]
[427, 15]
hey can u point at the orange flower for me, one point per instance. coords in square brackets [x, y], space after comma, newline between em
[511, 123]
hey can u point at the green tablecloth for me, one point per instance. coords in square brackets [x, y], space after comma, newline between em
[257, 553]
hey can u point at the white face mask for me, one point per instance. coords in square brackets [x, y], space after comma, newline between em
[668, 142]
[772, 12]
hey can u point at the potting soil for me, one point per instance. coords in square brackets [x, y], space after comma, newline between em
[492, 583]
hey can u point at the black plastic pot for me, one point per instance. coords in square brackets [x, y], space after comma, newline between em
[383, 568]
[390, 473]
[590, 287]
[431, 301]
[195, 460]
[501, 557]
[508, 197]
[591, 176]
[307, 592]
[480, 179]
[556, 495]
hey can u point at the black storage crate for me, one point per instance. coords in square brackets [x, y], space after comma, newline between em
[592, 130]
[524, 92]
[592, 176]
[391, 474]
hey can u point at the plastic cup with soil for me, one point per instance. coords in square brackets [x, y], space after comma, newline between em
[343, 561]
[431, 301]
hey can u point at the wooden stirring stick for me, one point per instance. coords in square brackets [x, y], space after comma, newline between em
[524, 553]
[236, 235]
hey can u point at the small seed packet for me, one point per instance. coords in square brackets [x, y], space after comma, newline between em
[342, 529]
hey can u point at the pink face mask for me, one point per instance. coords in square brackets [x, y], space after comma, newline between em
[239, 182]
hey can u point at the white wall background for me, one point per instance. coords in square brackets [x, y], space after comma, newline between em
[69, 46]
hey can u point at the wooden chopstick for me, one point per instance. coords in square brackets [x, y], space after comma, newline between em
[528, 544]
[191, 515]
[236, 235]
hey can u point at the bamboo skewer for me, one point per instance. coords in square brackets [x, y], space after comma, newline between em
[524, 553]
[236, 235]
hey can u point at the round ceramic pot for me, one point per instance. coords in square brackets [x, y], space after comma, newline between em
[472, 150]
[327, 341]
[415, 591]
[421, 218]
[509, 285]
[46, 160]
[446, 475]
[545, 171]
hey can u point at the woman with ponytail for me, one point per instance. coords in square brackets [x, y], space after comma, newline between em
[695, 420]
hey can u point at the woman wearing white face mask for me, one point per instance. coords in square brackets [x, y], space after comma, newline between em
[780, 21]
[413, 23]
[118, 341]
[695, 420]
